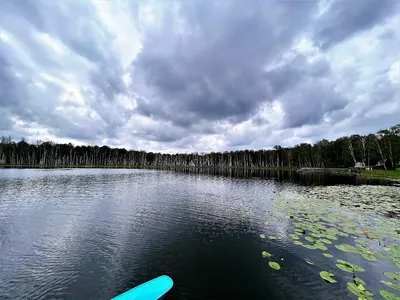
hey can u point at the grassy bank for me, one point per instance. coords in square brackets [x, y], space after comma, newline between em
[384, 174]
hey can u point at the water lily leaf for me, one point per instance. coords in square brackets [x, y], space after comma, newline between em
[352, 287]
[361, 287]
[312, 247]
[326, 241]
[345, 268]
[327, 276]
[274, 265]
[391, 284]
[395, 249]
[392, 275]
[354, 267]
[320, 246]
[361, 241]
[265, 254]
[262, 236]
[389, 296]
[294, 236]
[359, 281]
[298, 243]
[331, 236]
[327, 255]
[380, 255]
[368, 257]
[310, 239]
[271, 237]
[309, 261]
[346, 248]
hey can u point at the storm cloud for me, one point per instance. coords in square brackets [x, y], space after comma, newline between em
[198, 75]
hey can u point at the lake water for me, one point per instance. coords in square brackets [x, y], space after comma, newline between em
[95, 233]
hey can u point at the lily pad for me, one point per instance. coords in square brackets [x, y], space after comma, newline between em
[312, 247]
[298, 243]
[265, 254]
[326, 241]
[274, 265]
[327, 276]
[309, 261]
[361, 241]
[271, 237]
[327, 255]
[392, 285]
[310, 239]
[346, 248]
[352, 266]
[368, 257]
[359, 281]
[262, 236]
[361, 287]
[320, 246]
[345, 268]
[389, 296]
[392, 275]
[352, 287]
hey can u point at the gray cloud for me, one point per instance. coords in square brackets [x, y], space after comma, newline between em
[345, 18]
[214, 70]
[220, 75]
[306, 90]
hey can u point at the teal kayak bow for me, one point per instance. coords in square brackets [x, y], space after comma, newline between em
[150, 290]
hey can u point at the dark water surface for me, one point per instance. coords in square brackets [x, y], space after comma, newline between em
[94, 233]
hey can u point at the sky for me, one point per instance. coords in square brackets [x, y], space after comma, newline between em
[198, 76]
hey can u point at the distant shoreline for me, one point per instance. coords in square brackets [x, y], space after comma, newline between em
[374, 174]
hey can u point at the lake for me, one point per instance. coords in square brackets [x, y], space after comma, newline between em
[95, 233]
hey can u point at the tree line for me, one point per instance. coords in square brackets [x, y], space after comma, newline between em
[381, 149]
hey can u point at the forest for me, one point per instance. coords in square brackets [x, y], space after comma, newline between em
[379, 150]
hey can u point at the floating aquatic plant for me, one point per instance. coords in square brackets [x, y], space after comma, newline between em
[346, 248]
[309, 261]
[393, 275]
[391, 284]
[266, 254]
[360, 292]
[359, 281]
[312, 247]
[389, 296]
[368, 257]
[326, 241]
[352, 266]
[323, 222]
[327, 255]
[262, 236]
[327, 276]
[274, 265]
